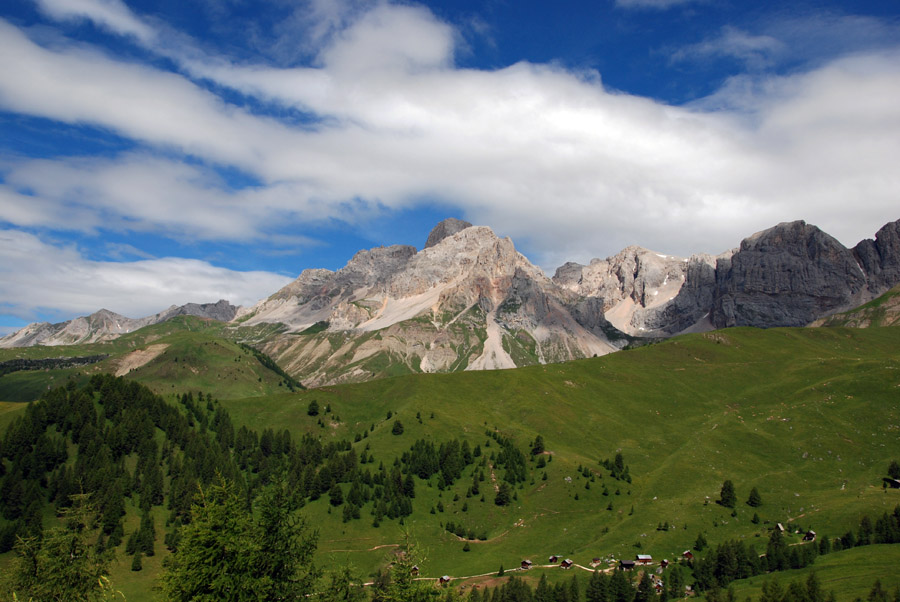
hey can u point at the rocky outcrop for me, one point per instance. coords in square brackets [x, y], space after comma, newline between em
[788, 275]
[467, 301]
[880, 258]
[448, 227]
[645, 293]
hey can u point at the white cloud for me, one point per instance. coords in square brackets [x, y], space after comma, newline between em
[110, 14]
[538, 152]
[756, 51]
[37, 274]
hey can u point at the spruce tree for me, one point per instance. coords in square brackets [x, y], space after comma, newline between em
[64, 564]
[700, 543]
[228, 552]
[543, 592]
[894, 469]
[727, 496]
[645, 590]
[754, 500]
[597, 588]
[574, 589]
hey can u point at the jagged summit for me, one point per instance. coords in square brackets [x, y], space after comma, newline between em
[470, 300]
[448, 227]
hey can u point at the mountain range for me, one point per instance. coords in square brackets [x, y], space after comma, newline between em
[468, 301]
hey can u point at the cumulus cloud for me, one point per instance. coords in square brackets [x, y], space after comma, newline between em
[540, 153]
[38, 275]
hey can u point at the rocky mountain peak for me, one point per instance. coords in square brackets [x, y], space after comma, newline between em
[447, 227]
[880, 258]
[787, 275]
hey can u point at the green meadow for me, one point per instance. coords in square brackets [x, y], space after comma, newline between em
[810, 417]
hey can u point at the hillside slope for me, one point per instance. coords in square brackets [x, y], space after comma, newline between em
[807, 416]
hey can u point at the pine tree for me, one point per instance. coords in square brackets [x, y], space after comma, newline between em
[645, 590]
[620, 589]
[343, 585]
[226, 553]
[503, 497]
[675, 583]
[136, 562]
[597, 588]
[700, 543]
[64, 565]
[754, 500]
[543, 592]
[894, 469]
[574, 589]
[727, 496]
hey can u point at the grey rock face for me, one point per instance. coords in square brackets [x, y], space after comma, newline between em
[880, 258]
[222, 311]
[691, 304]
[645, 293]
[788, 275]
[448, 227]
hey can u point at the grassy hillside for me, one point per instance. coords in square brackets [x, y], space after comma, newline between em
[184, 354]
[807, 416]
[849, 574]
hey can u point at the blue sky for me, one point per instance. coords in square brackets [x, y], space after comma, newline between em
[162, 152]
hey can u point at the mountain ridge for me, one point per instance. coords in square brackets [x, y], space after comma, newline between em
[470, 301]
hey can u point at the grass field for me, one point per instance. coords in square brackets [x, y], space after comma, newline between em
[849, 573]
[810, 417]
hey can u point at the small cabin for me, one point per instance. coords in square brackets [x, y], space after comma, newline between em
[626, 565]
[566, 564]
[664, 563]
[687, 555]
[892, 483]
[444, 580]
[595, 561]
[554, 559]
[780, 527]
[810, 536]
[526, 564]
[644, 559]
[414, 570]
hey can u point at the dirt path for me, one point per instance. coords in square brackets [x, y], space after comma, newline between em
[381, 547]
